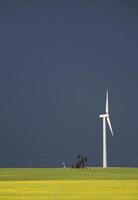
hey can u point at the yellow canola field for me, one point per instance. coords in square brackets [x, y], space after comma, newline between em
[69, 190]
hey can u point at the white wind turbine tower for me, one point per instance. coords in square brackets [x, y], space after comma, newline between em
[106, 118]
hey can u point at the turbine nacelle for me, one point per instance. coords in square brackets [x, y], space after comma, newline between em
[103, 115]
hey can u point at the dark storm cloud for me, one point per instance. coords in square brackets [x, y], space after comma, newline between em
[57, 59]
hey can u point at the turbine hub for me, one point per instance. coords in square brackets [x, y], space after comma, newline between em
[103, 115]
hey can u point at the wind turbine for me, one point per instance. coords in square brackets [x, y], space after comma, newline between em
[106, 118]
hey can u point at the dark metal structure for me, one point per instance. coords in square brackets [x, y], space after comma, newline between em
[81, 162]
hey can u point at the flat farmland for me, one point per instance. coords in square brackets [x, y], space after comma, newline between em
[73, 184]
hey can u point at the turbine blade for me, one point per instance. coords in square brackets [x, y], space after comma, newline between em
[109, 123]
[107, 103]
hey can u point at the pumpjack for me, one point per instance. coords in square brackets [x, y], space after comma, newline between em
[81, 162]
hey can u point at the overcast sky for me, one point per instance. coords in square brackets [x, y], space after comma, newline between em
[57, 58]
